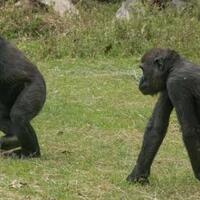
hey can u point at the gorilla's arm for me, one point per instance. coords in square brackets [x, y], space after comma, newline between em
[153, 137]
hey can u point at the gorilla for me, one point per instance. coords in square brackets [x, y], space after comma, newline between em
[22, 96]
[178, 82]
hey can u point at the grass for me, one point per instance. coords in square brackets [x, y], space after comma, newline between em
[96, 33]
[90, 133]
[91, 127]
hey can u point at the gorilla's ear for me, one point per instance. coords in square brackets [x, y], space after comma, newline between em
[159, 62]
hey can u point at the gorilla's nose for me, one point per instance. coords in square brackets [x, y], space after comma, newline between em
[142, 80]
[143, 86]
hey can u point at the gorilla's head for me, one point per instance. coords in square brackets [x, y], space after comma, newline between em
[155, 65]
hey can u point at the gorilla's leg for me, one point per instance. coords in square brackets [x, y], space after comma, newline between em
[27, 106]
[186, 113]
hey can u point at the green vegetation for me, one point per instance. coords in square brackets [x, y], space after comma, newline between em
[91, 128]
[96, 32]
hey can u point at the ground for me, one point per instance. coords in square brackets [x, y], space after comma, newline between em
[90, 132]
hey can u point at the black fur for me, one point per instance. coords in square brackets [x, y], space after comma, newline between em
[178, 82]
[22, 96]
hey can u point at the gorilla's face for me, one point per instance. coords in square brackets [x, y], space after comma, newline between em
[154, 66]
[152, 80]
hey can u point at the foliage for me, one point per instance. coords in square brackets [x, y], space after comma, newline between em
[97, 33]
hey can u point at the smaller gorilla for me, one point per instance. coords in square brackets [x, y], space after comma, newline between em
[22, 96]
[178, 82]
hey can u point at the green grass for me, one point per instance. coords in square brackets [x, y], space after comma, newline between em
[90, 133]
[96, 33]
[91, 127]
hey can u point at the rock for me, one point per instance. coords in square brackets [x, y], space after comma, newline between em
[61, 6]
[179, 4]
[24, 3]
[129, 7]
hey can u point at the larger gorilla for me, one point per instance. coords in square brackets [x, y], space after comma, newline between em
[22, 96]
[178, 82]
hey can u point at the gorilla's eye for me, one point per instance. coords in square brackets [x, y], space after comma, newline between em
[160, 63]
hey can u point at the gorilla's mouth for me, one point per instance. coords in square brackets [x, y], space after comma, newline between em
[146, 90]
[143, 86]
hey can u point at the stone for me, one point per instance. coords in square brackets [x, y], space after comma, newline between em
[61, 6]
[129, 7]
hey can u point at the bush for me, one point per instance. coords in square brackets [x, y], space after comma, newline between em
[97, 33]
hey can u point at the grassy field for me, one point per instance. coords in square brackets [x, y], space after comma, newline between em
[91, 127]
[90, 133]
